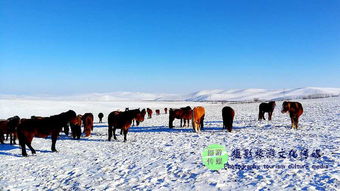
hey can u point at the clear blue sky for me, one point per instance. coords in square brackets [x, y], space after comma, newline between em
[67, 47]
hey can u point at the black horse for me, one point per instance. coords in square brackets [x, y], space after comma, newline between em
[100, 116]
[266, 107]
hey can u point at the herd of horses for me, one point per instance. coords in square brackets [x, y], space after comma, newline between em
[37, 126]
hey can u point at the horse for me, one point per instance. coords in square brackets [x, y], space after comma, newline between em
[9, 127]
[295, 110]
[186, 115]
[166, 110]
[157, 112]
[100, 116]
[13, 123]
[3, 130]
[76, 127]
[175, 114]
[266, 107]
[198, 114]
[44, 127]
[149, 113]
[122, 120]
[88, 123]
[228, 117]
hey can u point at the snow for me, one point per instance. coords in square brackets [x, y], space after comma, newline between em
[158, 158]
[204, 95]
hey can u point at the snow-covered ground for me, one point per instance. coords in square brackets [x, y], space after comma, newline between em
[158, 158]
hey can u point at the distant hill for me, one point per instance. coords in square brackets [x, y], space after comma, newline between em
[204, 95]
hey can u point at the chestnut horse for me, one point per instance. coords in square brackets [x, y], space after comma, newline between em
[149, 112]
[228, 117]
[76, 127]
[100, 116]
[266, 107]
[44, 127]
[198, 114]
[295, 111]
[166, 110]
[158, 112]
[88, 123]
[122, 120]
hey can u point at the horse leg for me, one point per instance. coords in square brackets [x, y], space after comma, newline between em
[2, 138]
[292, 120]
[28, 143]
[125, 133]
[270, 116]
[121, 131]
[22, 142]
[114, 133]
[296, 122]
[260, 116]
[66, 130]
[11, 138]
[202, 121]
[54, 141]
[170, 123]
[110, 132]
[181, 122]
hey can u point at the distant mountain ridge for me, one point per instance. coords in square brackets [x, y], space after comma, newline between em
[204, 95]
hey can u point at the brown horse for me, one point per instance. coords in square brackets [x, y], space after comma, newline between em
[266, 107]
[158, 112]
[228, 117]
[76, 127]
[149, 112]
[88, 123]
[295, 111]
[3, 130]
[166, 110]
[198, 114]
[123, 120]
[100, 116]
[44, 127]
[9, 127]
[175, 114]
[186, 115]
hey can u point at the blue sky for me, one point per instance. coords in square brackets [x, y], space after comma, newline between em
[68, 47]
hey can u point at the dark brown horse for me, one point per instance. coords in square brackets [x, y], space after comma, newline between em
[88, 123]
[295, 110]
[187, 115]
[100, 116]
[149, 112]
[228, 117]
[3, 130]
[266, 107]
[166, 110]
[157, 112]
[175, 114]
[76, 127]
[9, 127]
[122, 120]
[44, 127]
[184, 113]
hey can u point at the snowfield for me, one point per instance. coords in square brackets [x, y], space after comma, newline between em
[158, 158]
